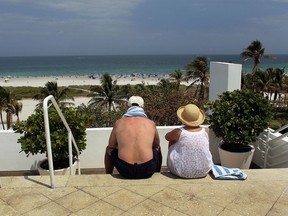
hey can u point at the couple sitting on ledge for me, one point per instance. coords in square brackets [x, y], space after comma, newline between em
[134, 144]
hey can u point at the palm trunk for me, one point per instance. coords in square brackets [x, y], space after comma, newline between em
[201, 93]
[2, 122]
[254, 69]
[9, 119]
[275, 95]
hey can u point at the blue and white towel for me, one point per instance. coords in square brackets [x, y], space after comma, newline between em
[225, 173]
[135, 111]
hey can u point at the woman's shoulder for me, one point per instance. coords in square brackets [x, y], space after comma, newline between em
[193, 129]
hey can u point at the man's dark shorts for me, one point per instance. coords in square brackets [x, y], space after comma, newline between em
[137, 171]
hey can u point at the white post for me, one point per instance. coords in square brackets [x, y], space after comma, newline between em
[223, 77]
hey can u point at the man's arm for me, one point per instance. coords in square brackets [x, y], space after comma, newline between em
[109, 165]
[112, 143]
[156, 141]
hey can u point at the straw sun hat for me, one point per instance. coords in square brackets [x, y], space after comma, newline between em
[191, 115]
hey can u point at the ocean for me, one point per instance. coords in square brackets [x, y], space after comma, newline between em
[118, 64]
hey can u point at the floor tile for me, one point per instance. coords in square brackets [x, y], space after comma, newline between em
[150, 207]
[124, 199]
[101, 192]
[5, 209]
[171, 197]
[227, 212]
[24, 202]
[225, 193]
[283, 199]
[145, 190]
[57, 193]
[278, 209]
[199, 207]
[188, 188]
[249, 207]
[50, 209]
[100, 208]
[76, 200]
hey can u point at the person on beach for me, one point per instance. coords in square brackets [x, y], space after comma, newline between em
[134, 144]
[188, 151]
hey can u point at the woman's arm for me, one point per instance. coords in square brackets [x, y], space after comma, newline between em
[173, 136]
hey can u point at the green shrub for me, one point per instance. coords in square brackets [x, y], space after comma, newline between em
[274, 124]
[239, 116]
[33, 140]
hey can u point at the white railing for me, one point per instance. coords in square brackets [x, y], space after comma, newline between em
[48, 139]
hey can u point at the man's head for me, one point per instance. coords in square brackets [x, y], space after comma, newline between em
[136, 101]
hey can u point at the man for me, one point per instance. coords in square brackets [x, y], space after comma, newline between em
[134, 144]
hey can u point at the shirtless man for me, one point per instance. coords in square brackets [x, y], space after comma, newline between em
[133, 146]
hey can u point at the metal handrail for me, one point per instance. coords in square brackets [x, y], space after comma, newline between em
[48, 139]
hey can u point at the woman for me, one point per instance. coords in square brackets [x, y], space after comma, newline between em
[189, 155]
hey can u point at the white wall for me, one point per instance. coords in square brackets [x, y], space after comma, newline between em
[10, 157]
[92, 157]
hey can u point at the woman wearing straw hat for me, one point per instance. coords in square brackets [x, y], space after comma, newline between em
[189, 155]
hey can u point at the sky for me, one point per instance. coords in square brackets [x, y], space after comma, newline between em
[116, 27]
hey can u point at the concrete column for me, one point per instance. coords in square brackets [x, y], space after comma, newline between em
[223, 77]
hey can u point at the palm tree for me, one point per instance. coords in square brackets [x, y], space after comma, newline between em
[263, 81]
[18, 108]
[246, 81]
[166, 85]
[51, 88]
[198, 71]
[2, 104]
[106, 94]
[8, 104]
[254, 51]
[278, 77]
[177, 77]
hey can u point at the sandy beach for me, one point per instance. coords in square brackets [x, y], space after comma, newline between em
[79, 80]
[30, 104]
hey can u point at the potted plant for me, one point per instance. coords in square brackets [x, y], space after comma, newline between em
[33, 139]
[238, 117]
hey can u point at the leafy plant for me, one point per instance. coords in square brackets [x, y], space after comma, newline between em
[239, 116]
[33, 140]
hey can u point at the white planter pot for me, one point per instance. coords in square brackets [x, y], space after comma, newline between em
[240, 160]
[65, 171]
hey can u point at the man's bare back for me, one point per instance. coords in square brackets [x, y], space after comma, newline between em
[135, 137]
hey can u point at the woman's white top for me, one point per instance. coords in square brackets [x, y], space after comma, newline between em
[190, 156]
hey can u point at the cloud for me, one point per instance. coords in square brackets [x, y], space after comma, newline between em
[67, 16]
[271, 22]
[281, 1]
[85, 8]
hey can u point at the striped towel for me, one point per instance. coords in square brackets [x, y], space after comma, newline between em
[224, 173]
[135, 111]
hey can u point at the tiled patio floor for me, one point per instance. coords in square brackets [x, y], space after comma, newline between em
[265, 192]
